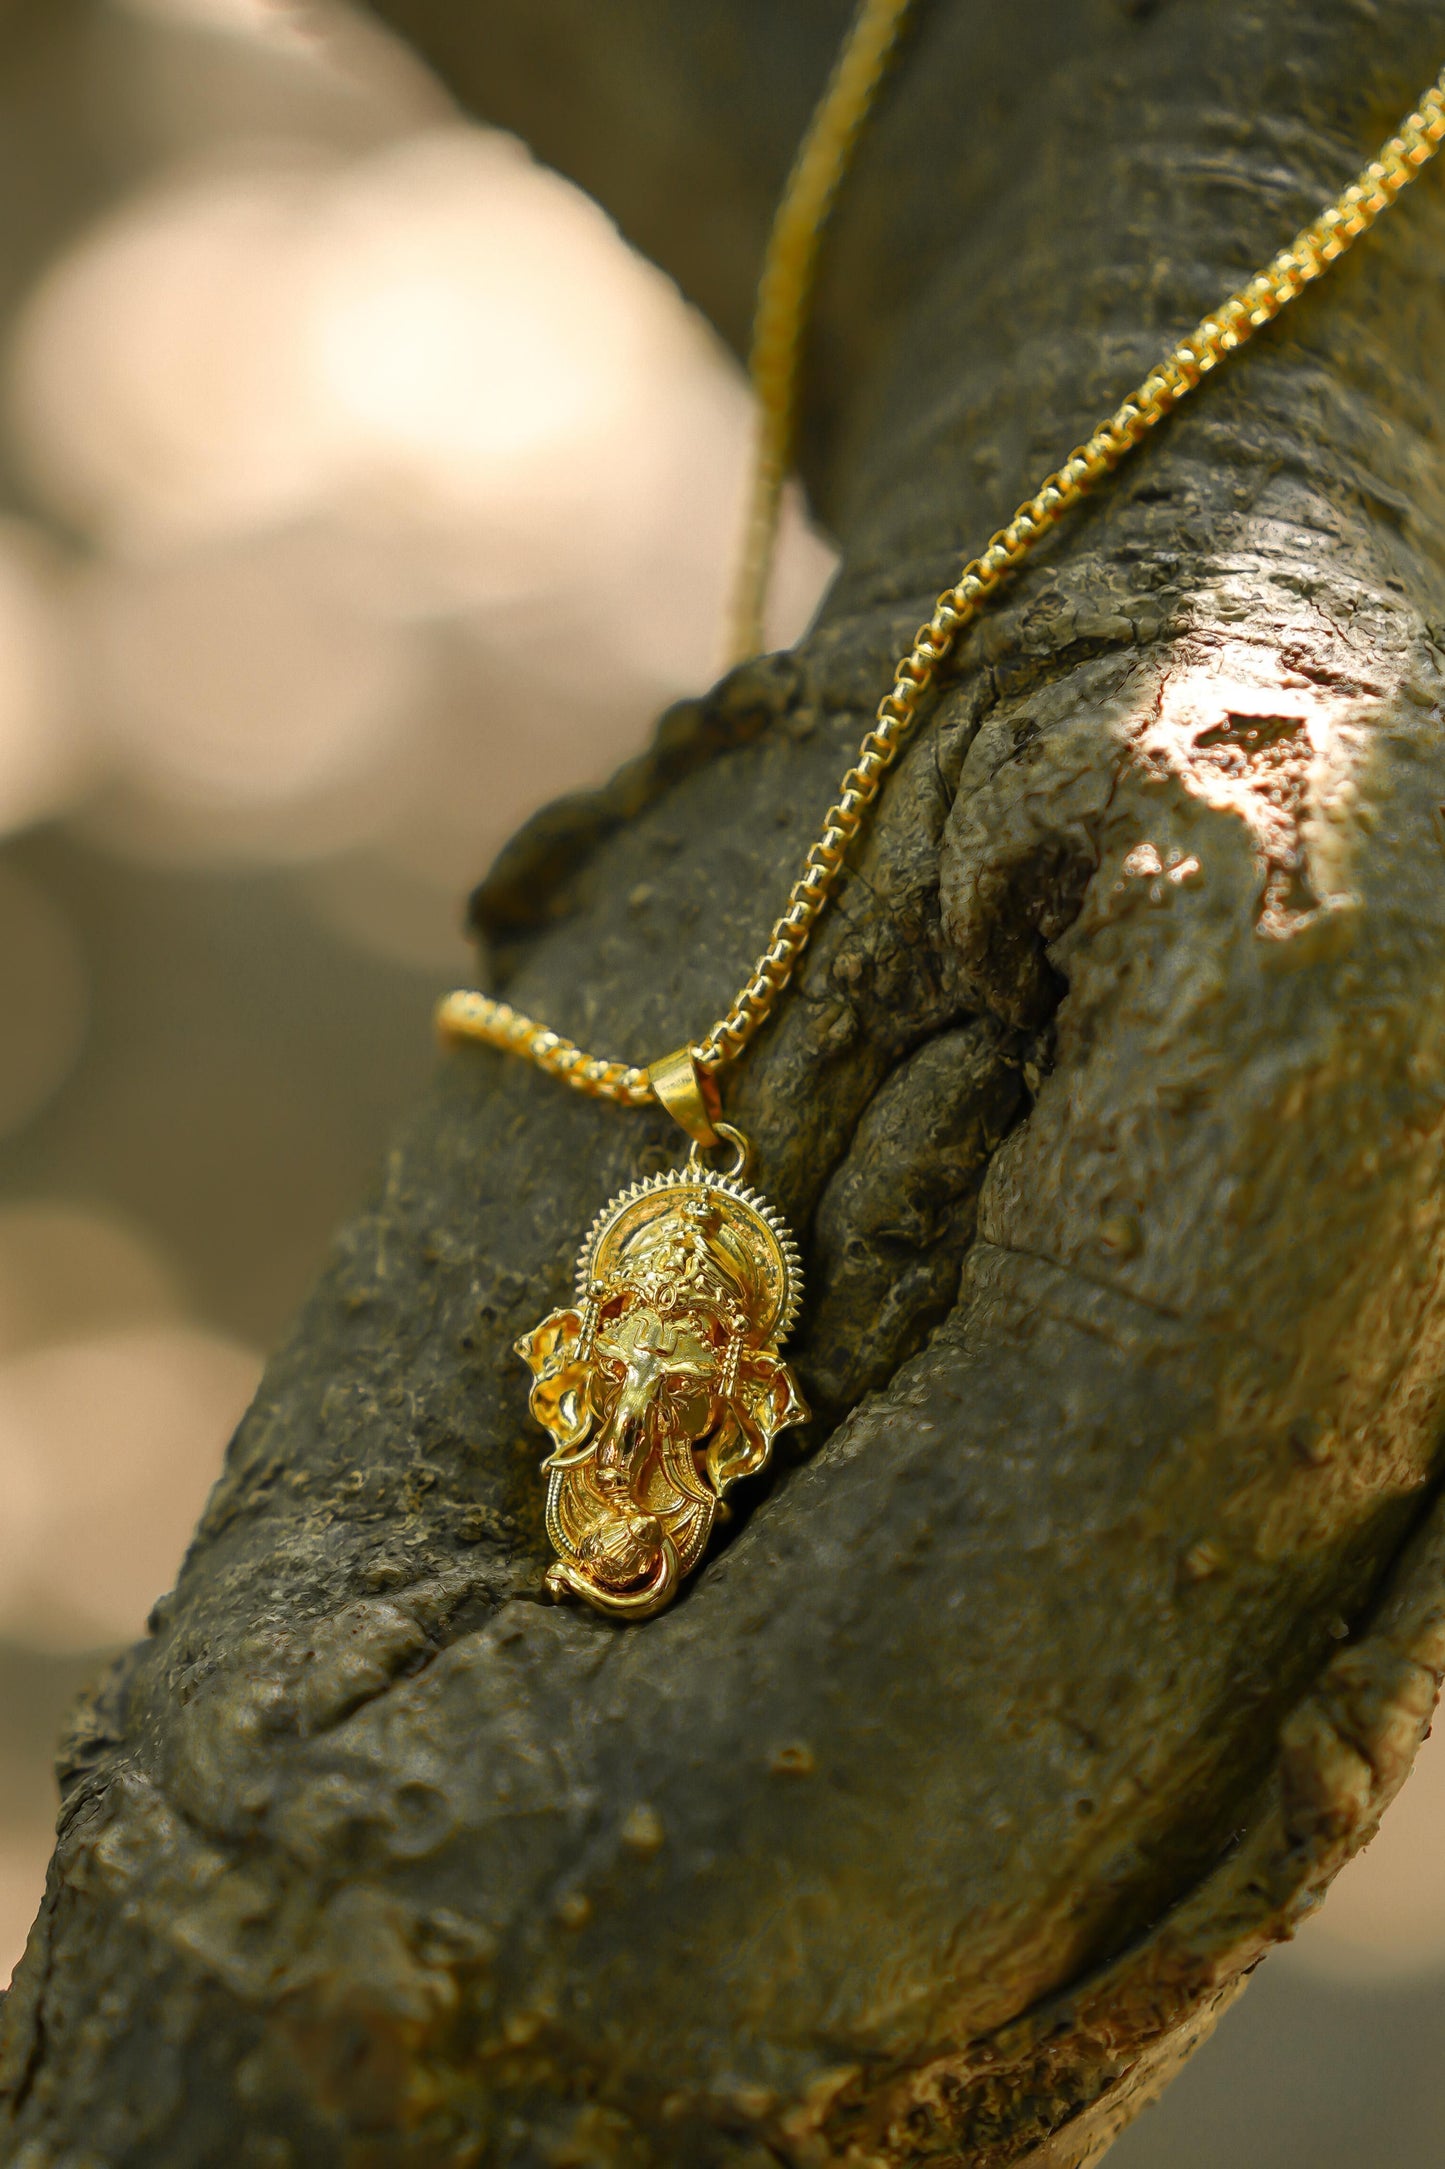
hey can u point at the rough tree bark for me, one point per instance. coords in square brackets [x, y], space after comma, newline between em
[1105, 1613]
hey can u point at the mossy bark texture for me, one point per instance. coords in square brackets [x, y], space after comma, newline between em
[1106, 1608]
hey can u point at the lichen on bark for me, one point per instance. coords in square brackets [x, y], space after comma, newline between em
[1106, 1608]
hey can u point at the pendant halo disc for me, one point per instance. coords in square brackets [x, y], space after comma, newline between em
[744, 1227]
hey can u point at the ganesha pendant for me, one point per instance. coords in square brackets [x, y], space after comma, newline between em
[663, 1385]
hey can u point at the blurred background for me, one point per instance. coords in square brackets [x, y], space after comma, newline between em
[314, 399]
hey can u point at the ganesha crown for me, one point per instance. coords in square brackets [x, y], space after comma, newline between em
[704, 1180]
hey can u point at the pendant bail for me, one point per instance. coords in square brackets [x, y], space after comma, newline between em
[688, 1094]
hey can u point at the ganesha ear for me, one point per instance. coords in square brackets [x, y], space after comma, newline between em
[772, 1395]
[559, 1380]
[765, 1399]
[555, 1338]
[738, 1448]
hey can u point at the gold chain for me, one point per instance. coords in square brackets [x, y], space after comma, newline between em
[469, 1016]
[785, 288]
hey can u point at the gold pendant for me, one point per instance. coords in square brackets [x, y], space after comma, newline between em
[663, 1384]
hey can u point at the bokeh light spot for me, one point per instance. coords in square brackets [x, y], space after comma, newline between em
[158, 386]
[67, 1268]
[108, 1446]
[43, 999]
[251, 708]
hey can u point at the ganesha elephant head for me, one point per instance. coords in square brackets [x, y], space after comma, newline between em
[662, 1386]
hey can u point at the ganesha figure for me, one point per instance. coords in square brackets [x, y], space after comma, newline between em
[664, 1384]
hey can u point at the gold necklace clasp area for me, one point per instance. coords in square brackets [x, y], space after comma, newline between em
[663, 1384]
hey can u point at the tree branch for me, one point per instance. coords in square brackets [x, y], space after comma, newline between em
[959, 1792]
